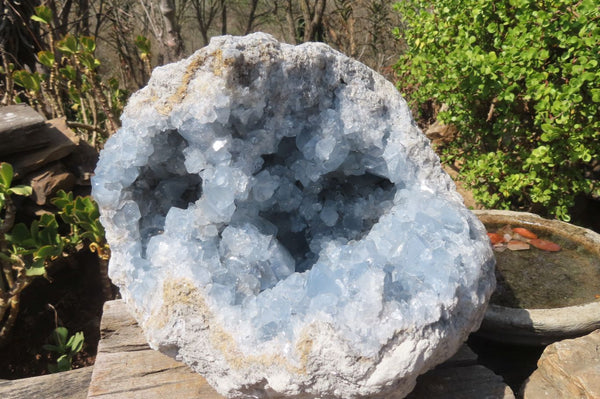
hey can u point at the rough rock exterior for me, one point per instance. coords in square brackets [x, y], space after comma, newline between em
[279, 223]
[567, 369]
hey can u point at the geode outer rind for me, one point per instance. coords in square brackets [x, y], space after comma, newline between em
[279, 223]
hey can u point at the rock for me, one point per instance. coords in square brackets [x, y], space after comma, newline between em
[47, 143]
[46, 182]
[278, 222]
[469, 382]
[18, 124]
[441, 134]
[567, 369]
[82, 162]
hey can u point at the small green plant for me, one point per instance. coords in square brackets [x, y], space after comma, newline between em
[521, 82]
[65, 348]
[13, 276]
[6, 177]
[36, 244]
[83, 217]
[26, 251]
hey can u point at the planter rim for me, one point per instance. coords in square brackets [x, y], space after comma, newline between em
[540, 326]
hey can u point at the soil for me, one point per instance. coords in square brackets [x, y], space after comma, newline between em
[74, 289]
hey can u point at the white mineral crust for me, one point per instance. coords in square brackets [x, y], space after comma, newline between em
[279, 223]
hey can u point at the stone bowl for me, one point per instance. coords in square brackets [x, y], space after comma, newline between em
[540, 326]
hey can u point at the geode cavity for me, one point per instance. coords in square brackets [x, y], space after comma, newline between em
[279, 223]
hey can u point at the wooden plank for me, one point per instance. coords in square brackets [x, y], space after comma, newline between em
[68, 385]
[127, 368]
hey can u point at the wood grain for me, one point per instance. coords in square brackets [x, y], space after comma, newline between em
[68, 385]
[126, 367]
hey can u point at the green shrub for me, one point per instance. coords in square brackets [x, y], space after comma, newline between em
[521, 81]
[26, 251]
[67, 82]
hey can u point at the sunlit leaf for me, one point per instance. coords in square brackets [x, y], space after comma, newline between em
[6, 174]
[46, 58]
[42, 15]
[21, 190]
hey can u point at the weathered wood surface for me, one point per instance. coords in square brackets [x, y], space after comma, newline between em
[127, 368]
[68, 385]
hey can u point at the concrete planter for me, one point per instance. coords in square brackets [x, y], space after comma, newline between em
[540, 326]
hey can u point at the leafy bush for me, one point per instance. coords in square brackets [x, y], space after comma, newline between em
[521, 82]
[67, 82]
[13, 273]
[27, 251]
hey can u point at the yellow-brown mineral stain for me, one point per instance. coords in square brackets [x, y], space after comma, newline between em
[217, 66]
[182, 297]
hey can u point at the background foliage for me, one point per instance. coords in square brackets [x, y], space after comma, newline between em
[521, 82]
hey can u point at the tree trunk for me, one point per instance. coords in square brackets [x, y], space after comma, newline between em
[313, 17]
[251, 16]
[172, 39]
[84, 13]
[291, 22]
[223, 17]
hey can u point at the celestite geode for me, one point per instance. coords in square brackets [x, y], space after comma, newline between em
[279, 223]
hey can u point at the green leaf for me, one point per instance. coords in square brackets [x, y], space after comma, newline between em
[29, 81]
[47, 252]
[64, 363]
[589, 76]
[48, 219]
[69, 73]
[19, 234]
[68, 45]
[6, 174]
[89, 61]
[88, 43]
[143, 45]
[24, 191]
[76, 342]
[62, 198]
[51, 348]
[46, 58]
[59, 336]
[42, 15]
[37, 268]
